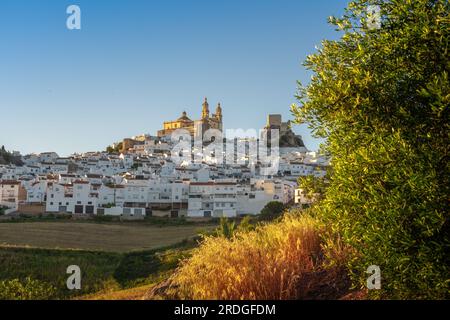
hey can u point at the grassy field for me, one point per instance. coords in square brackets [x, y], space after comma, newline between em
[101, 272]
[114, 257]
[109, 237]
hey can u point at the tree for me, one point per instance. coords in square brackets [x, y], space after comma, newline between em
[381, 98]
[272, 210]
[314, 187]
[116, 148]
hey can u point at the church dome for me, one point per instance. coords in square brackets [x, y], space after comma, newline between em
[184, 117]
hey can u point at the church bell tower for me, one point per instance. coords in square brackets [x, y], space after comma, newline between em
[205, 109]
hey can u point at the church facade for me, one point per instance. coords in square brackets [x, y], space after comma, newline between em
[195, 127]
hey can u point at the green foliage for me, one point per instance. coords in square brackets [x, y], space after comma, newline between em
[272, 210]
[8, 158]
[246, 225]
[100, 271]
[100, 218]
[314, 187]
[115, 149]
[138, 268]
[28, 289]
[226, 228]
[381, 99]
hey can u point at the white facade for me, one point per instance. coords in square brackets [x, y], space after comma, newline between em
[10, 193]
[212, 199]
[302, 199]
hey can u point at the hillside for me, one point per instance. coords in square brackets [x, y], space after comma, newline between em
[7, 157]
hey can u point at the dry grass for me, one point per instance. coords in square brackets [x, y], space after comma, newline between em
[93, 236]
[282, 260]
[128, 294]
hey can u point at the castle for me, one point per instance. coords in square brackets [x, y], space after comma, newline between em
[195, 127]
[288, 139]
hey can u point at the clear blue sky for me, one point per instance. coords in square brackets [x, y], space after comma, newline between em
[136, 63]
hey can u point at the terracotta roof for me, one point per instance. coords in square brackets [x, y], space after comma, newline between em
[212, 183]
[202, 183]
[80, 182]
[92, 175]
[117, 186]
[9, 182]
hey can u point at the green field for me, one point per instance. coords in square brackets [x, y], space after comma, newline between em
[101, 271]
[111, 256]
[110, 237]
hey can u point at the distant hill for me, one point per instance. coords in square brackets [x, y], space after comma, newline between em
[7, 157]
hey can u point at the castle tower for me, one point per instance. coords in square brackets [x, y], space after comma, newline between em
[205, 109]
[219, 112]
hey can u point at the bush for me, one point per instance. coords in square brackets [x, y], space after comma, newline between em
[272, 210]
[281, 260]
[381, 99]
[28, 289]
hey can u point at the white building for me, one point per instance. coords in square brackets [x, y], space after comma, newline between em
[212, 199]
[11, 193]
[302, 199]
[78, 198]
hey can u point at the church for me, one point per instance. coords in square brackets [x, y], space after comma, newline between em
[195, 127]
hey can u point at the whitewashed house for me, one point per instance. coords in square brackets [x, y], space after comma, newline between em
[212, 199]
[11, 193]
[37, 191]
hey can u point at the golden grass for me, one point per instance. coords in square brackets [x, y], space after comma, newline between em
[127, 294]
[283, 260]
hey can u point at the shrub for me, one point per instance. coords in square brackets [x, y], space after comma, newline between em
[380, 97]
[226, 228]
[272, 210]
[275, 261]
[28, 289]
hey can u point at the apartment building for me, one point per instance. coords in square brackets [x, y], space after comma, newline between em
[11, 193]
[212, 199]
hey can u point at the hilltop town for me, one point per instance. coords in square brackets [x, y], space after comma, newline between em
[137, 177]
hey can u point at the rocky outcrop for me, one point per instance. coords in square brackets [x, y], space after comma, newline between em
[290, 140]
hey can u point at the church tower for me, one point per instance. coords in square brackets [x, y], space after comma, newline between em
[219, 112]
[205, 109]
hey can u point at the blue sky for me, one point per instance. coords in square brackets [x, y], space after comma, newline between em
[136, 63]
